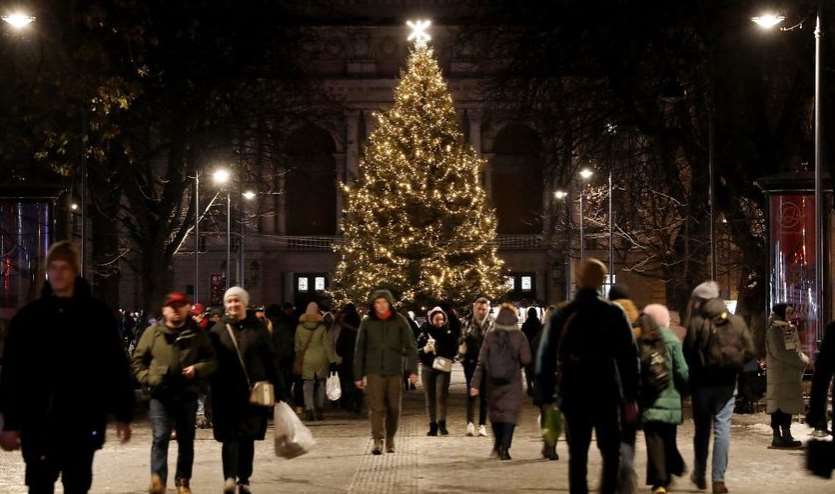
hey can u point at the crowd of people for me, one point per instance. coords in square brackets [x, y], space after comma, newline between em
[606, 366]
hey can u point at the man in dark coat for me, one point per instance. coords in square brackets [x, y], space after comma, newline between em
[64, 372]
[824, 372]
[590, 344]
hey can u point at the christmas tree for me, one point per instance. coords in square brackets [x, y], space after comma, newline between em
[417, 219]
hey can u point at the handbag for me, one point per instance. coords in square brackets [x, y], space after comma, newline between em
[298, 361]
[442, 364]
[262, 393]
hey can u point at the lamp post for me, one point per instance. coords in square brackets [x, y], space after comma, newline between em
[561, 195]
[248, 196]
[221, 177]
[196, 236]
[585, 175]
[770, 21]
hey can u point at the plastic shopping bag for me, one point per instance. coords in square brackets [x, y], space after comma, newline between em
[292, 437]
[333, 388]
[551, 423]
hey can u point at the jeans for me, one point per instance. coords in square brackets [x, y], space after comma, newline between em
[238, 457]
[436, 390]
[711, 407]
[604, 419]
[663, 457]
[179, 415]
[384, 396]
[314, 394]
[74, 465]
[469, 370]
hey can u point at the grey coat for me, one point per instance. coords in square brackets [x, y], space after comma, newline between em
[506, 400]
[785, 368]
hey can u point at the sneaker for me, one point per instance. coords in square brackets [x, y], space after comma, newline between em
[156, 487]
[659, 490]
[470, 429]
[229, 486]
[719, 488]
[482, 431]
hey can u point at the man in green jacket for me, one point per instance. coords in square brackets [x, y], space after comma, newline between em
[171, 358]
[384, 340]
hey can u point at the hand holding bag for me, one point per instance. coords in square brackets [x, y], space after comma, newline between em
[261, 393]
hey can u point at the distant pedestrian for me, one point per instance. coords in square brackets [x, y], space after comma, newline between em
[821, 381]
[474, 328]
[437, 347]
[349, 323]
[664, 377]
[590, 344]
[245, 355]
[717, 346]
[317, 356]
[786, 363]
[385, 345]
[64, 372]
[531, 328]
[171, 360]
[503, 354]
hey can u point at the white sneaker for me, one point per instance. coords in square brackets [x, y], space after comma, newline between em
[482, 431]
[470, 429]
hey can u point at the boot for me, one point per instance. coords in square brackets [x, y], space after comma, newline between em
[317, 415]
[504, 454]
[790, 441]
[309, 416]
[698, 481]
[777, 441]
[378, 447]
[442, 428]
[389, 445]
[244, 489]
[183, 486]
[550, 452]
[719, 488]
[433, 429]
[156, 487]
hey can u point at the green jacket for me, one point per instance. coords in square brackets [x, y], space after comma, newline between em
[313, 333]
[667, 407]
[384, 345]
[162, 354]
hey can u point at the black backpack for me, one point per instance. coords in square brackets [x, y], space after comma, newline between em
[655, 372]
[502, 364]
[726, 336]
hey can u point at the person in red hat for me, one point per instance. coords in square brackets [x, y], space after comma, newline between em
[171, 359]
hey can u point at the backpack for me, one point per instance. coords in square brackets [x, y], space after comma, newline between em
[726, 336]
[655, 373]
[502, 364]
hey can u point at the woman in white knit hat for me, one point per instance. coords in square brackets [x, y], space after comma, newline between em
[249, 358]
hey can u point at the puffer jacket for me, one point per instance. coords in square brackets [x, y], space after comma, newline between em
[667, 406]
[384, 347]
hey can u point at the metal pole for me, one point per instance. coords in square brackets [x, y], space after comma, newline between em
[819, 206]
[228, 237]
[196, 236]
[582, 251]
[611, 234]
[711, 190]
[83, 192]
[242, 271]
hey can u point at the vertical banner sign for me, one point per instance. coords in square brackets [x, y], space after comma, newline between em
[217, 284]
[792, 226]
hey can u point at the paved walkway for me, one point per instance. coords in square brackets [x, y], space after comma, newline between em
[341, 463]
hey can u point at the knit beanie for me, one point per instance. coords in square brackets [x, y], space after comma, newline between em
[659, 313]
[707, 290]
[64, 251]
[507, 316]
[312, 308]
[239, 292]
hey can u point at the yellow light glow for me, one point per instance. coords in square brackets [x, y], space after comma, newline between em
[221, 176]
[768, 20]
[18, 20]
[419, 34]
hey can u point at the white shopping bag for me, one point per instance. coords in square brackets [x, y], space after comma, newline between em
[333, 388]
[292, 437]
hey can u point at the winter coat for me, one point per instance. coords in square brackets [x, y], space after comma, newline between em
[65, 370]
[161, 355]
[284, 340]
[234, 417]
[786, 364]
[667, 406]
[598, 355]
[345, 346]
[824, 372]
[384, 345]
[472, 336]
[313, 333]
[446, 343]
[504, 401]
[531, 328]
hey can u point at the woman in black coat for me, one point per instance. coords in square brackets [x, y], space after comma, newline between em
[349, 323]
[531, 327]
[237, 422]
[437, 339]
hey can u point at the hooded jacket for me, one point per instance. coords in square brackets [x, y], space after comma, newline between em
[384, 347]
[446, 340]
[65, 371]
[312, 333]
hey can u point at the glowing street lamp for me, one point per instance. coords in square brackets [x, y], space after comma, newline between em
[586, 174]
[768, 20]
[560, 195]
[18, 20]
[221, 176]
[249, 195]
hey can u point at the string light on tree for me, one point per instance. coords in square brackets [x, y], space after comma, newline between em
[417, 219]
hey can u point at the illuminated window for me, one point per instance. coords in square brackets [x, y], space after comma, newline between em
[302, 287]
[319, 283]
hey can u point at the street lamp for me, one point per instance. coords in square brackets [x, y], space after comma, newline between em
[249, 195]
[585, 174]
[18, 20]
[770, 21]
[221, 177]
[560, 195]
